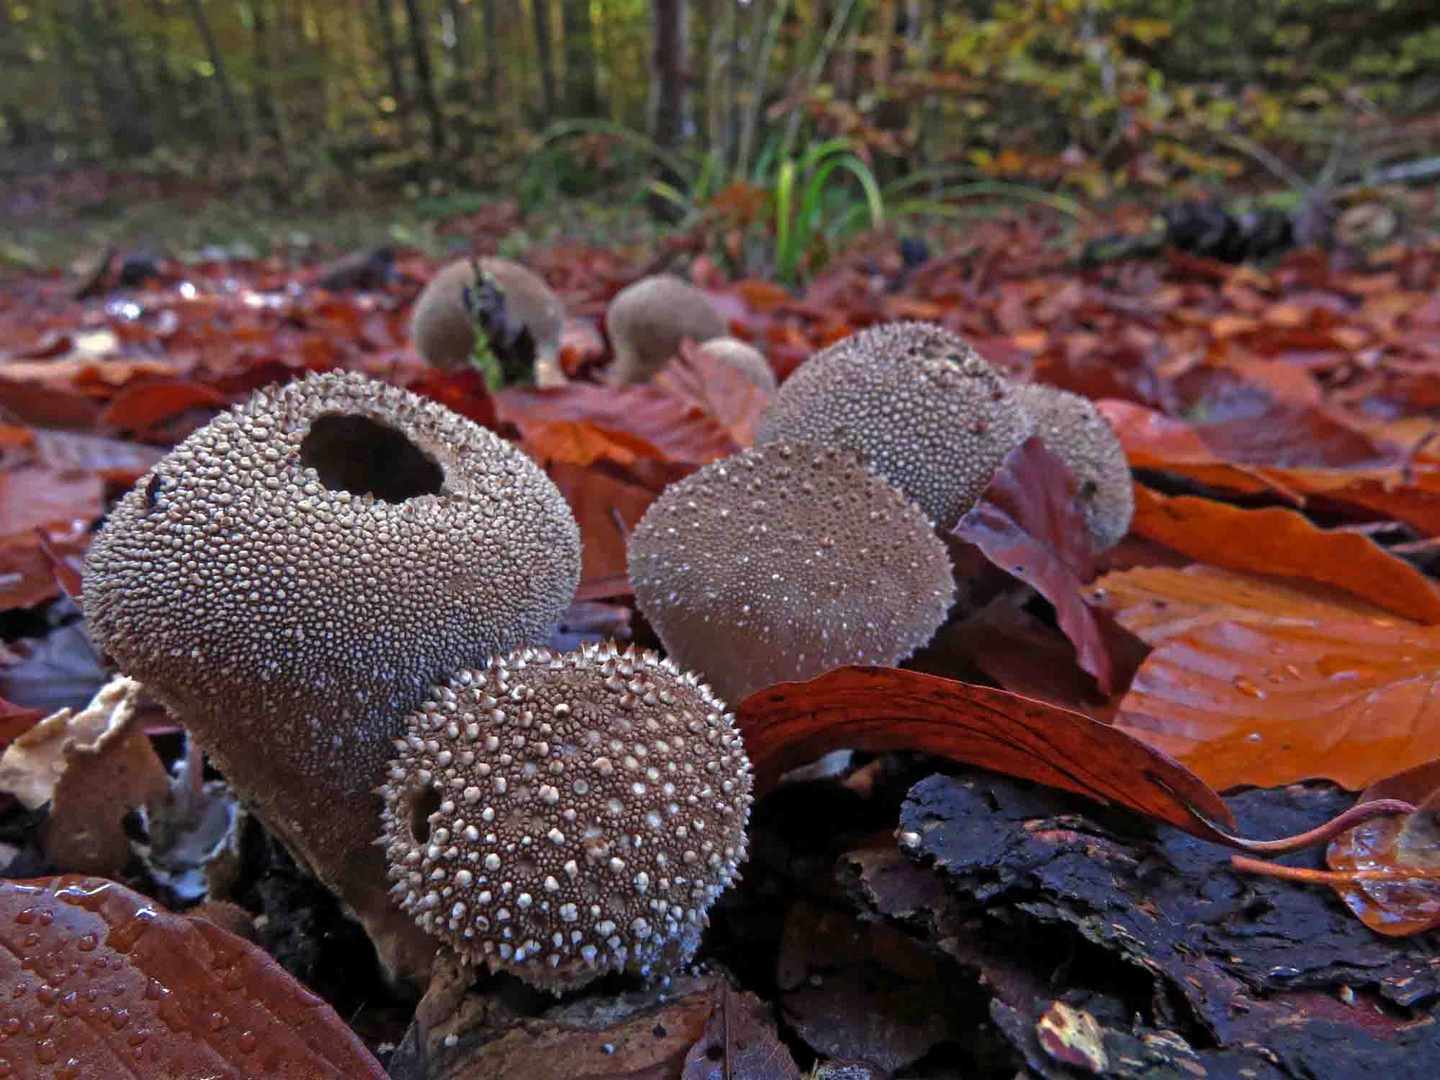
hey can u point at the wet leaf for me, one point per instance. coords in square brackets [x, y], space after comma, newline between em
[1285, 544]
[1252, 681]
[105, 983]
[144, 406]
[1029, 524]
[874, 708]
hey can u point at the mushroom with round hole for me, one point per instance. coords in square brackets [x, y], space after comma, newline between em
[783, 562]
[563, 815]
[294, 577]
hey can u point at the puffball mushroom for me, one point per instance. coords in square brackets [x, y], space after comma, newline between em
[918, 405]
[296, 575]
[562, 815]
[1074, 431]
[648, 320]
[744, 358]
[444, 331]
[785, 561]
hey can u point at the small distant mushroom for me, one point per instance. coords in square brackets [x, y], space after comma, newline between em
[648, 320]
[786, 561]
[918, 405]
[744, 358]
[296, 575]
[561, 815]
[1074, 431]
[443, 327]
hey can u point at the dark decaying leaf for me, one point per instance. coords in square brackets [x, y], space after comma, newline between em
[1030, 524]
[1284, 543]
[875, 708]
[1401, 853]
[1254, 681]
[106, 984]
[739, 1042]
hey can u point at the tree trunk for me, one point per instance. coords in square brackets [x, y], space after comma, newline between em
[459, 40]
[669, 72]
[267, 107]
[491, 19]
[390, 50]
[222, 78]
[545, 57]
[582, 94]
[424, 80]
[123, 103]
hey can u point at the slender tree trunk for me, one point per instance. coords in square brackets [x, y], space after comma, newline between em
[668, 71]
[459, 40]
[582, 92]
[424, 80]
[267, 106]
[390, 49]
[222, 78]
[545, 57]
[490, 17]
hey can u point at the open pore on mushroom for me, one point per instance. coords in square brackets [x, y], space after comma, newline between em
[561, 815]
[296, 575]
[918, 405]
[785, 561]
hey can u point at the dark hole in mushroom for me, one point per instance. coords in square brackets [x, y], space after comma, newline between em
[364, 457]
[423, 803]
[714, 1051]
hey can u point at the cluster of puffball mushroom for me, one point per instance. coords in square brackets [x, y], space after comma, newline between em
[344, 591]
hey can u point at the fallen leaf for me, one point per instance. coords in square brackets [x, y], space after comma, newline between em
[580, 442]
[1254, 681]
[1285, 544]
[141, 407]
[1029, 523]
[34, 496]
[1406, 847]
[878, 709]
[739, 1041]
[718, 389]
[106, 984]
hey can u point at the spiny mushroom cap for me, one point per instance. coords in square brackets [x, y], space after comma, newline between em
[297, 574]
[561, 815]
[648, 320]
[744, 358]
[916, 403]
[444, 333]
[785, 561]
[1074, 431]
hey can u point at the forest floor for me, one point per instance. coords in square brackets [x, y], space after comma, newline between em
[1271, 623]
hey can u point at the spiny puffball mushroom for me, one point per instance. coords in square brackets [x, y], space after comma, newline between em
[648, 320]
[785, 561]
[1074, 431]
[444, 332]
[296, 575]
[561, 815]
[918, 405]
[744, 358]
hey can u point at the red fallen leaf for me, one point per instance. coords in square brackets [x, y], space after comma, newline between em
[463, 392]
[33, 564]
[1285, 544]
[718, 389]
[34, 496]
[579, 442]
[15, 720]
[608, 502]
[1256, 682]
[1029, 524]
[104, 983]
[1388, 869]
[141, 406]
[878, 709]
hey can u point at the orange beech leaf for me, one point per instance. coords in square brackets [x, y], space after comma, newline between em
[718, 389]
[608, 501]
[877, 709]
[1402, 853]
[1029, 524]
[141, 406]
[1253, 681]
[104, 983]
[34, 496]
[1285, 544]
[579, 442]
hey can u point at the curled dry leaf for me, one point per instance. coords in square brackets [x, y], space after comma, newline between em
[1030, 524]
[1388, 869]
[103, 984]
[93, 767]
[877, 709]
[1284, 543]
[1252, 681]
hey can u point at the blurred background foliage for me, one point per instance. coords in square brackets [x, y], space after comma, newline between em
[688, 108]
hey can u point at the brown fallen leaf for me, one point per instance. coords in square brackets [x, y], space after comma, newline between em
[93, 768]
[582, 443]
[106, 984]
[1253, 681]
[739, 1042]
[875, 708]
[1285, 544]
[718, 389]
[1029, 524]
